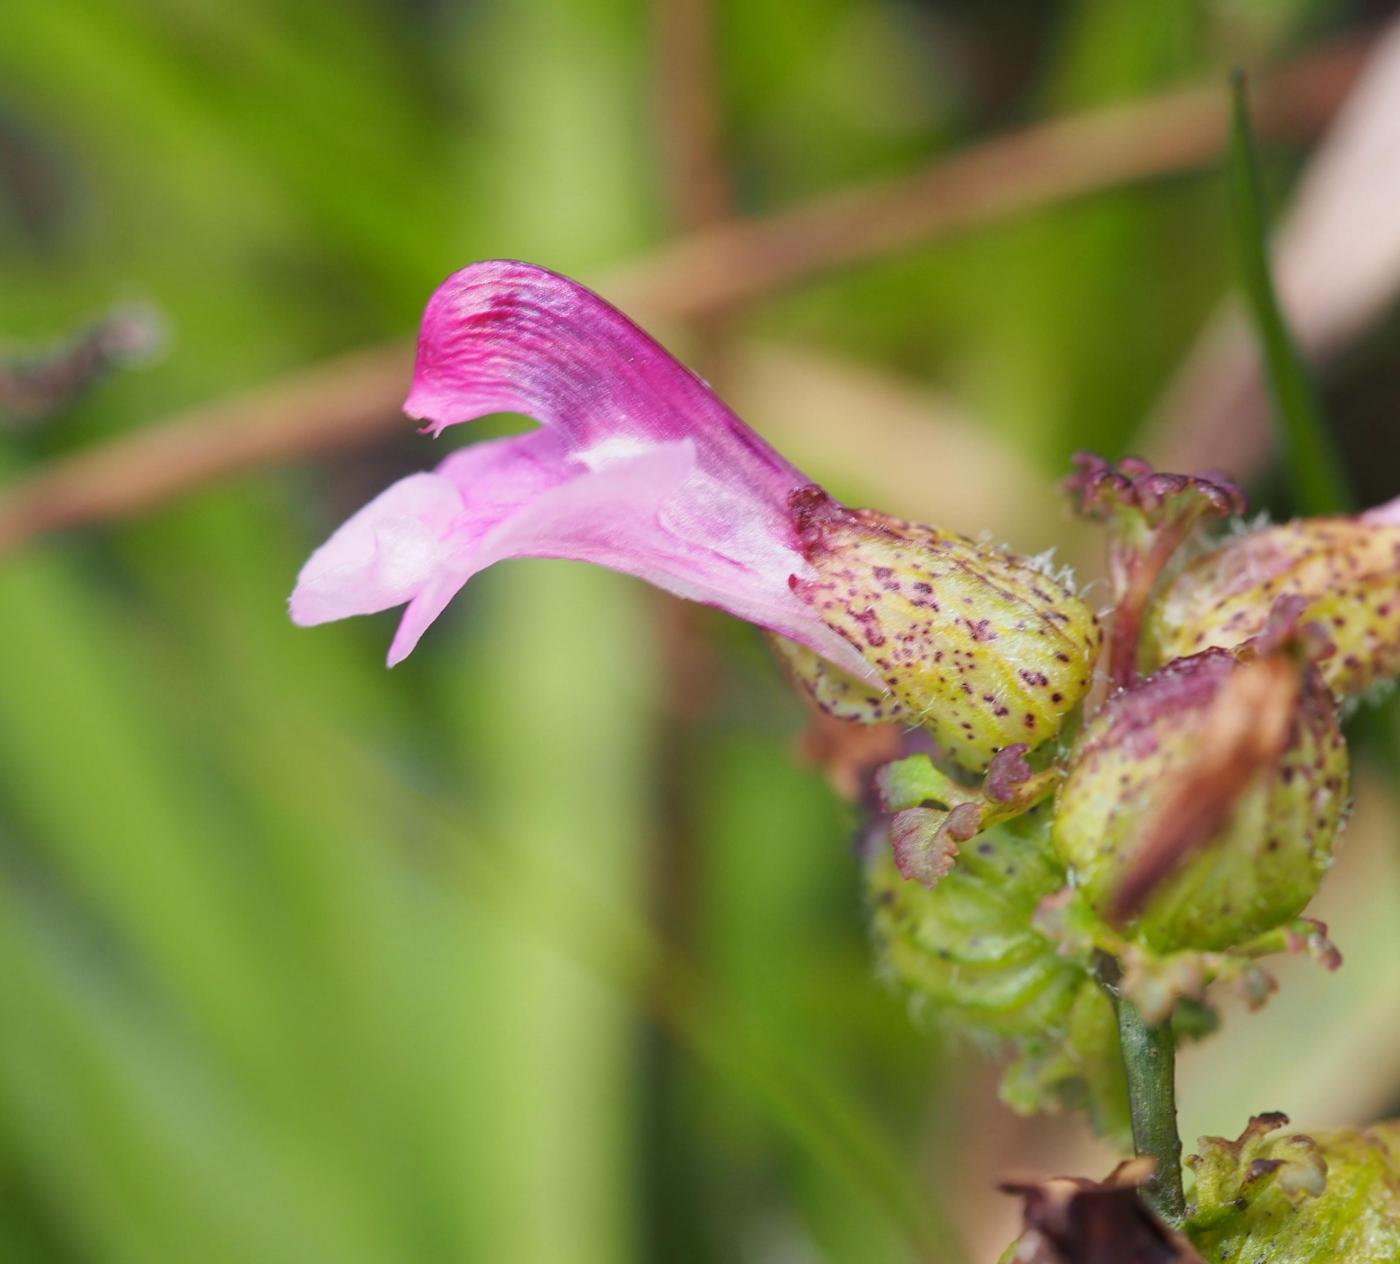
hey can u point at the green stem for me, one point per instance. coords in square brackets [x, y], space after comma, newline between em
[1149, 1059]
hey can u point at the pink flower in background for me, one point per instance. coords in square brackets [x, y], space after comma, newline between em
[637, 466]
[1386, 515]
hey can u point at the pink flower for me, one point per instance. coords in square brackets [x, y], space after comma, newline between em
[637, 466]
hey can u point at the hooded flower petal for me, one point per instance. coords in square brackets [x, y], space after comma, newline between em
[637, 467]
[512, 337]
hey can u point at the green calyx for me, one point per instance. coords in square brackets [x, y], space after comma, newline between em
[977, 645]
[1341, 570]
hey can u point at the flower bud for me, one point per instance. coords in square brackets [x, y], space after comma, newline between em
[977, 645]
[1205, 798]
[1272, 1195]
[1346, 570]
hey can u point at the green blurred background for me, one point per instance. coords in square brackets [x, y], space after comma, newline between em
[548, 945]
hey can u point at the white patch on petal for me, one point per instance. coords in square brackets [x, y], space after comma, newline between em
[614, 450]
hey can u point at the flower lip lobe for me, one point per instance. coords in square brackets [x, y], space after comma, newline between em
[381, 556]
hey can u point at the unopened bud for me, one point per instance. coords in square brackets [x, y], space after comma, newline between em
[1204, 800]
[975, 644]
[1346, 571]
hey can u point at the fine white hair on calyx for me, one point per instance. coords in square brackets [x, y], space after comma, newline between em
[1203, 541]
[1248, 526]
[1042, 563]
[1098, 584]
[1062, 573]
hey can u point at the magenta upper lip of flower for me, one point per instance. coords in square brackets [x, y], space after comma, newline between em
[636, 466]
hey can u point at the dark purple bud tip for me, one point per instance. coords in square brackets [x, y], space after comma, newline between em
[1098, 489]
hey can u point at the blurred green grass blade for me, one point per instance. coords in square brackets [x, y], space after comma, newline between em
[781, 928]
[738, 1038]
[133, 1140]
[1314, 470]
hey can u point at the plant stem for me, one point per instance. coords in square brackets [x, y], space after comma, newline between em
[1149, 1059]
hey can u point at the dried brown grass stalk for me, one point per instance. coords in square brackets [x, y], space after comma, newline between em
[711, 271]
